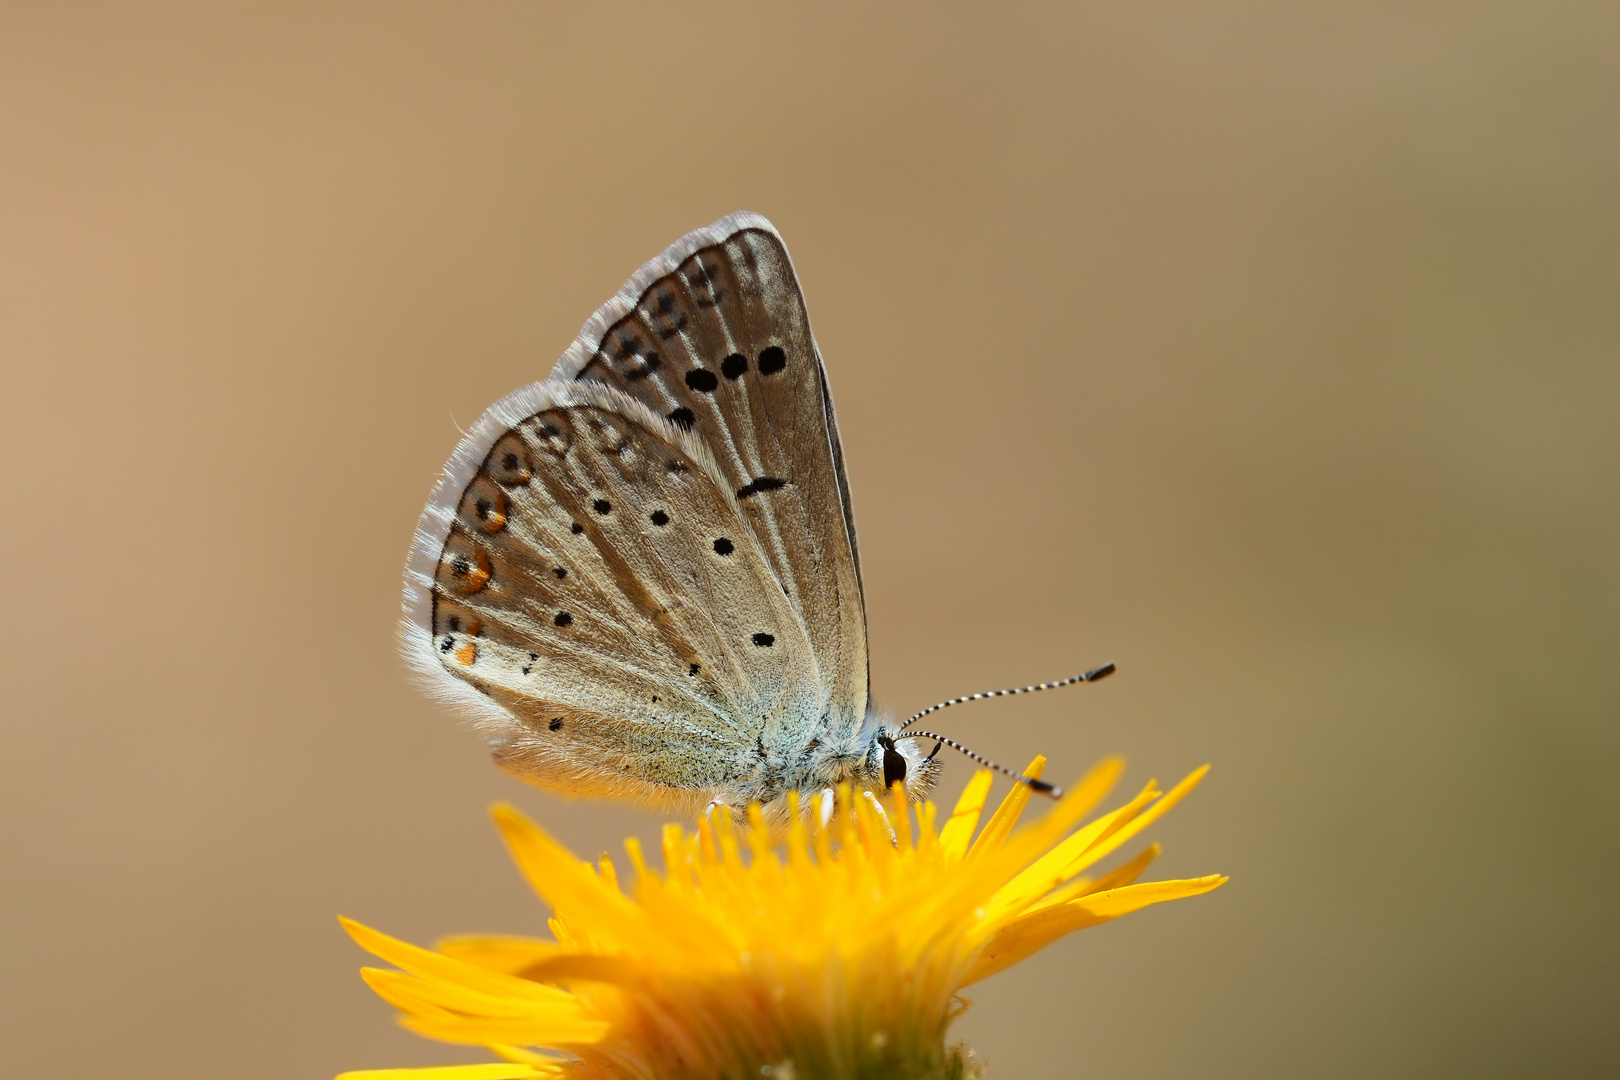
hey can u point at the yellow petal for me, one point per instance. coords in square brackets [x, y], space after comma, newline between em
[927, 835]
[522, 1055]
[1123, 901]
[760, 840]
[478, 1031]
[607, 872]
[403, 998]
[499, 952]
[1079, 801]
[1034, 931]
[569, 884]
[432, 965]
[585, 967]
[500, 1070]
[900, 813]
[555, 874]
[1006, 815]
[958, 830]
[632, 849]
[1111, 843]
[1114, 879]
[428, 997]
[1065, 860]
[1124, 875]
[964, 894]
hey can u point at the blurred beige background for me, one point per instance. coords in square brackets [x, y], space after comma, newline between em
[1269, 351]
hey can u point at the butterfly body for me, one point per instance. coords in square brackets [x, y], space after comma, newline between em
[639, 576]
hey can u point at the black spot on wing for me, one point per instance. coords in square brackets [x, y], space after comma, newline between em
[659, 518]
[733, 366]
[764, 641]
[649, 364]
[681, 418]
[562, 619]
[668, 315]
[702, 380]
[771, 360]
[723, 546]
[703, 282]
[626, 345]
[754, 487]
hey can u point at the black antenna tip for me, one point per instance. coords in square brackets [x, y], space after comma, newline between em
[1098, 673]
[1042, 787]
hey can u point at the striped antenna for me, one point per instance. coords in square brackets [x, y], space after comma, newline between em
[1033, 784]
[1085, 676]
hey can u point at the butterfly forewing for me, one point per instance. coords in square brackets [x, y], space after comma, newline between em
[720, 345]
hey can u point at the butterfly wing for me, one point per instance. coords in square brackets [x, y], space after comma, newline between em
[641, 602]
[714, 336]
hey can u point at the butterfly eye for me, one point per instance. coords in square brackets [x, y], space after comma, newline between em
[894, 767]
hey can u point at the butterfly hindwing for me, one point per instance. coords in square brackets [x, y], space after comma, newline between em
[599, 586]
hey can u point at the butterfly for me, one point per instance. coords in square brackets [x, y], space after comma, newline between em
[639, 577]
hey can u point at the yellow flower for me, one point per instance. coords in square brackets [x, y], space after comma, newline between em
[839, 953]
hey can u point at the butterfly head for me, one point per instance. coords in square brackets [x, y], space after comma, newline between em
[890, 762]
[872, 760]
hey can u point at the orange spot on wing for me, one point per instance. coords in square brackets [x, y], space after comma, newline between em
[467, 654]
[466, 568]
[483, 506]
[508, 461]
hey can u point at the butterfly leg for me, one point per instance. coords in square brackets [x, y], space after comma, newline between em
[829, 800]
[883, 816]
